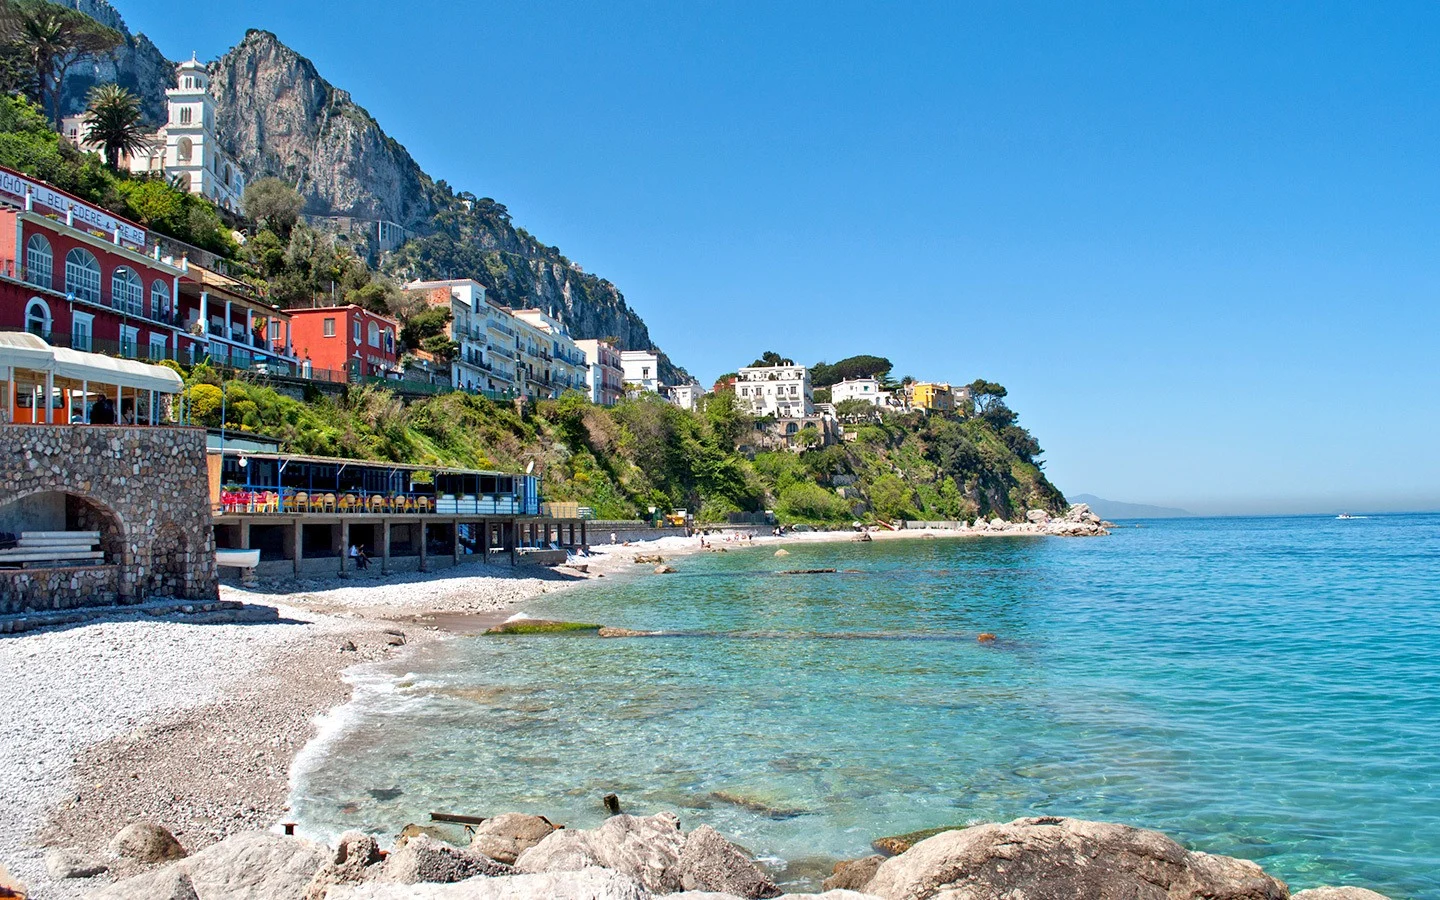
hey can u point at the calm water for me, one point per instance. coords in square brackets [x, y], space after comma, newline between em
[1264, 688]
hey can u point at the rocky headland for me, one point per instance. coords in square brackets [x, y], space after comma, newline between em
[640, 857]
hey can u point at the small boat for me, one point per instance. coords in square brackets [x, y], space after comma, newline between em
[243, 559]
[1348, 516]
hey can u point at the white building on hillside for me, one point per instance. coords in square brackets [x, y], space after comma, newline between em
[184, 149]
[642, 368]
[779, 391]
[685, 396]
[866, 389]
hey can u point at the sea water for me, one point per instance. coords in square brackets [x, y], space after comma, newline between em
[1263, 688]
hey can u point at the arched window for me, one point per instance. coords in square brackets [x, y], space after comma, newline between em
[39, 262]
[82, 275]
[127, 292]
[37, 317]
[160, 301]
[374, 334]
[186, 147]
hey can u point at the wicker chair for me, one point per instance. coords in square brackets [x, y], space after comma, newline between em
[347, 503]
[327, 503]
[300, 502]
[422, 504]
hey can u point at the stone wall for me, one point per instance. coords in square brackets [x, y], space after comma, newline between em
[46, 590]
[598, 531]
[144, 489]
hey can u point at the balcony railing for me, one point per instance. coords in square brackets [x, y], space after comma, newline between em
[294, 501]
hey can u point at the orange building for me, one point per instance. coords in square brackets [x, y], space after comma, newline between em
[348, 339]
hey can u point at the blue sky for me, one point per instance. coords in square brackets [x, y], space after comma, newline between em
[1197, 241]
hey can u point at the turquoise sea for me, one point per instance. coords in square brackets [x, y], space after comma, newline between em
[1260, 687]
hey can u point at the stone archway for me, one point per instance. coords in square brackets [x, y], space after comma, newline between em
[171, 563]
[66, 511]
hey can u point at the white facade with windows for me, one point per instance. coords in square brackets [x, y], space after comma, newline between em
[685, 396]
[866, 389]
[184, 149]
[780, 391]
[642, 369]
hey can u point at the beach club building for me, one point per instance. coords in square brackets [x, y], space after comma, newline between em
[81, 277]
[345, 341]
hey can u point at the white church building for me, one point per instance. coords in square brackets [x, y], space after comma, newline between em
[184, 149]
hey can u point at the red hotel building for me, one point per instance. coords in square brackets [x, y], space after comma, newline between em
[80, 277]
[345, 339]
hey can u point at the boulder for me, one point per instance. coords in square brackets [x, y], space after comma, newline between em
[424, 859]
[614, 631]
[1050, 858]
[171, 882]
[413, 831]
[505, 837]
[646, 849]
[1038, 516]
[664, 570]
[586, 884]
[146, 842]
[1338, 893]
[708, 862]
[853, 874]
[255, 865]
[70, 862]
[782, 552]
[355, 861]
[998, 524]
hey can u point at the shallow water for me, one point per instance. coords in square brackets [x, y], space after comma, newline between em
[1263, 688]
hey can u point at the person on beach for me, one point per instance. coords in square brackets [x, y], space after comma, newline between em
[361, 560]
[354, 556]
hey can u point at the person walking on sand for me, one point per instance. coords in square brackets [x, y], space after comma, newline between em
[361, 560]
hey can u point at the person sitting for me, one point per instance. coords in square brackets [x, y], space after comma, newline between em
[102, 412]
[361, 560]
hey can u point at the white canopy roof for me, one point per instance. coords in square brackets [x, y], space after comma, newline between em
[26, 351]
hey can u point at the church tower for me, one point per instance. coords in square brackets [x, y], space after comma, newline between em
[192, 157]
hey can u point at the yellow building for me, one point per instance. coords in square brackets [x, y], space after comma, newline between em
[932, 395]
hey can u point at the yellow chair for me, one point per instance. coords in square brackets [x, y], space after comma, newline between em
[347, 503]
[272, 502]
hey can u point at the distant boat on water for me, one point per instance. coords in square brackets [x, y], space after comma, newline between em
[1348, 516]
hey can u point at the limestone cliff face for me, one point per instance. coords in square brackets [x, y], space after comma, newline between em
[278, 117]
[137, 65]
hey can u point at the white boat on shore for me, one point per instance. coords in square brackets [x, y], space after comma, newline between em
[242, 559]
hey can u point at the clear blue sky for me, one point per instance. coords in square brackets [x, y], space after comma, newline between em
[1197, 241]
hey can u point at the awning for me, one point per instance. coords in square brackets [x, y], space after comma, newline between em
[24, 350]
[27, 351]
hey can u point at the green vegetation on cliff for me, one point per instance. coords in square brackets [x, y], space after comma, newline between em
[645, 452]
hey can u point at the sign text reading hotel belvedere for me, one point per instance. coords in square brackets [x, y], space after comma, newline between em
[16, 185]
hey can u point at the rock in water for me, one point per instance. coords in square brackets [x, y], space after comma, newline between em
[411, 831]
[1052, 858]
[505, 837]
[853, 874]
[664, 570]
[424, 859]
[588, 884]
[1338, 893]
[646, 849]
[69, 862]
[708, 862]
[355, 861]
[146, 842]
[782, 552]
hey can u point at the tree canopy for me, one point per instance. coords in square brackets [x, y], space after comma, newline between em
[770, 359]
[42, 41]
[824, 374]
[273, 203]
[114, 122]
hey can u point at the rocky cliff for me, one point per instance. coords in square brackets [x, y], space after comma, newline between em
[278, 117]
[137, 65]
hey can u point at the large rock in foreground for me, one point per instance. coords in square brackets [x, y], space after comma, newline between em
[587, 884]
[646, 849]
[708, 862]
[253, 865]
[505, 837]
[1064, 859]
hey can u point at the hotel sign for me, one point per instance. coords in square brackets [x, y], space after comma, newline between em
[86, 216]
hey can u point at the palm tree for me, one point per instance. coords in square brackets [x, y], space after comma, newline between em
[114, 123]
[51, 39]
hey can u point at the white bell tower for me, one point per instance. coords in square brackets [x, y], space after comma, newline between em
[190, 132]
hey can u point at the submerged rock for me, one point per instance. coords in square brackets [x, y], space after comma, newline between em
[757, 805]
[853, 874]
[1338, 893]
[899, 843]
[1052, 858]
[664, 570]
[505, 837]
[146, 842]
[540, 626]
[708, 862]
[646, 849]
[610, 631]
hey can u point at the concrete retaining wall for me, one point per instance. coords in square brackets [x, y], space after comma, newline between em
[599, 530]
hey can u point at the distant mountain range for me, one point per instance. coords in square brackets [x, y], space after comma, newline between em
[1114, 509]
